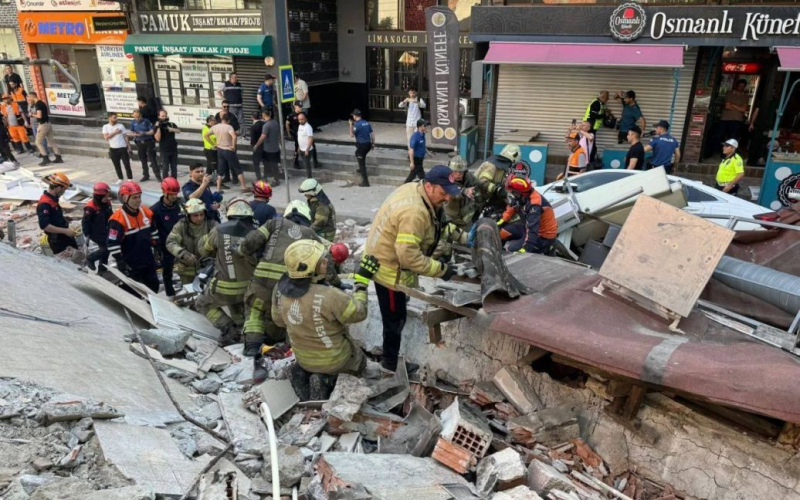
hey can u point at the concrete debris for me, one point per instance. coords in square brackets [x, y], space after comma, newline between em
[65, 489]
[169, 315]
[128, 493]
[302, 428]
[543, 478]
[210, 384]
[184, 366]
[63, 410]
[239, 481]
[167, 341]
[485, 393]
[372, 425]
[347, 397]
[292, 464]
[518, 493]
[513, 385]
[454, 456]
[278, 395]
[550, 427]
[31, 482]
[349, 442]
[149, 456]
[245, 428]
[416, 437]
[505, 469]
[465, 426]
[409, 477]
[71, 459]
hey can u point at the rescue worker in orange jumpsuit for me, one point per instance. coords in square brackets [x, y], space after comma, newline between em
[132, 236]
[16, 122]
[538, 228]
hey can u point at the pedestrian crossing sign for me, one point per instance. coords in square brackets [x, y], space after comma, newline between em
[287, 83]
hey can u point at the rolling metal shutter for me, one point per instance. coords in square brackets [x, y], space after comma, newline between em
[251, 72]
[547, 98]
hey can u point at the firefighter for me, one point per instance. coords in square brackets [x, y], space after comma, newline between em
[461, 211]
[58, 238]
[262, 210]
[316, 318]
[95, 224]
[166, 213]
[270, 242]
[233, 271]
[538, 228]
[492, 173]
[323, 215]
[404, 234]
[183, 242]
[132, 237]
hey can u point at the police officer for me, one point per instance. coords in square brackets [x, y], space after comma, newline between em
[323, 215]
[233, 271]
[262, 210]
[166, 213]
[666, 149]
[183, 242]
[404, 235]
[492, 173]
[316, 318]
[595, 113]
[361, 130]
[58, 238]
[731, 169]
[95, 224]
[132, 237]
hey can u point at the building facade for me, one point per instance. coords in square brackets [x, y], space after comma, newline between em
[11, 44]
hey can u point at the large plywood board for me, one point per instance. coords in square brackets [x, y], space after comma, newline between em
[665, 254]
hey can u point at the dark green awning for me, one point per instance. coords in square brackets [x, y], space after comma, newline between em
[197, 45]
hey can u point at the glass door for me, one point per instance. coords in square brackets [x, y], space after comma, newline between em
[379, 83]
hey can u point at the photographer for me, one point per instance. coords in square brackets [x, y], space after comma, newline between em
[197, 187]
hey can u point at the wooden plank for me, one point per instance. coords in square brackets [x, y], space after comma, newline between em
[435, 333]
[435, 316]
[748, 421]
[633, 402]
[665, 254]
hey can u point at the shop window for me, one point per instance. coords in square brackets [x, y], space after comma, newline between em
[198, 4]
[383, 15]
[415, 14]
[407, 69]
[190, 81]
[378, 68]
[9, 48]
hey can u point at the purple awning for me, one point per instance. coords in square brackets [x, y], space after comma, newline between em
[580, 54]
[790, 58]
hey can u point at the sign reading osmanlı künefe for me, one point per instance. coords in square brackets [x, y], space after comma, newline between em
[443, 73]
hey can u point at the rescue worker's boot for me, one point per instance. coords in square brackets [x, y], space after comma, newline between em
[254, 327]
[300, 380]
[321, 386]
[260, 371]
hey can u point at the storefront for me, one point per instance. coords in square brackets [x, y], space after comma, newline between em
[89, 45]
[189, 55]
[720, 44]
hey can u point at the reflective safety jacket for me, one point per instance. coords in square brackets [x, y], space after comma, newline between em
[595, 113]
[233, 271]
[404, 235]
[316, 324]
[131, 237]
[323, 216]
[538, 217]
[490, 177]
[187, 237]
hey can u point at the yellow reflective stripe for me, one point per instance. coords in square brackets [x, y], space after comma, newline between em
[259, 273]
[272, 267]
[435, 267]
[263, 230]
[408, 238]
[348, 311]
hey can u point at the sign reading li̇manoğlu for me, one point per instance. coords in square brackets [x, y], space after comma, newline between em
[443, 73]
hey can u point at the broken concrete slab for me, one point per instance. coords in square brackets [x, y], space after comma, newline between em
[64, 409]
[518, 493]
[550, 427]
[30, 482]
[517, 390]
[182, 365]
[485, 393]
[245, 429]
[243, 483]
[170, 315]
[504, 469]
[347, 397]
[291, 464]
[149, 456]
[410, 477]
[210, 384]
[211, 358]
[127, 493]
[542, 478]
[416, 437]
[279, 396]
[64, 489]
[166, 340]
[348, 442]
[372, 425]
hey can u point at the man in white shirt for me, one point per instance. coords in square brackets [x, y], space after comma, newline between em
[119, 147]
[305, 142]
[415, 105]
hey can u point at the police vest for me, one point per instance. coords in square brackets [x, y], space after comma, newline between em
[599, 121]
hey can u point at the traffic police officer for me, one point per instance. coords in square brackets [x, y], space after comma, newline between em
[731, 169]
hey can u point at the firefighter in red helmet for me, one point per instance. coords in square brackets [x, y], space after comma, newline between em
[95, 224]
[166, 213]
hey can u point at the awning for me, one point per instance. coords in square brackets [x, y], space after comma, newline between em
[789, 57]
[582, 54]
[206, 45]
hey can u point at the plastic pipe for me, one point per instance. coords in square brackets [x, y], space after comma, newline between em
[266, 416]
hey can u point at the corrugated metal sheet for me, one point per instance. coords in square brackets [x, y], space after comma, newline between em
[547, 98]
[251, 72]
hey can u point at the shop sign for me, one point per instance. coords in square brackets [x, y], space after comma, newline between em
[789, 190]
[160, 22]
[58, 101]
[627, 22]
[110, 23]
[742, 68]
[62, 5]
[695, 132]
[443, 73]
[698, 118]
[246, 45]
[68, 28]
[402, 39]
[189, 117]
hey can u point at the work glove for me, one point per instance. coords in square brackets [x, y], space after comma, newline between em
[501, 222]
[444, 259]
[473, 233]
[366, 269]
[521, 250]
[449, 272]
[345, 286]
[187, 258]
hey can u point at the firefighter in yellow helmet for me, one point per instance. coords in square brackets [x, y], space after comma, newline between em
[232, 270]
[184, 240]
[323, 215]
[492, 173]
[316, 317]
